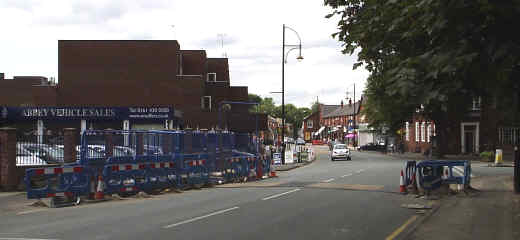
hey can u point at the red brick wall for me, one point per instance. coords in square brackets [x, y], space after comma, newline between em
[219, 66]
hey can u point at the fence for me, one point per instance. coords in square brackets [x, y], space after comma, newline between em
[126, 162]
[509, 136]
[36, 150]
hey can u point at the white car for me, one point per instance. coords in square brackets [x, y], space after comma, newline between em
[340, 151]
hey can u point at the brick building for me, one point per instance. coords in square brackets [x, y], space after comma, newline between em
[120, 76]
[482, 129]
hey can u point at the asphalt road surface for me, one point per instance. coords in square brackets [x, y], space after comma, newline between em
[355, 199]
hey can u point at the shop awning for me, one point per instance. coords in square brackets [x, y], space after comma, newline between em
[319, 131]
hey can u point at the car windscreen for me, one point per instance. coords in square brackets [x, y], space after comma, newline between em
[340, 147]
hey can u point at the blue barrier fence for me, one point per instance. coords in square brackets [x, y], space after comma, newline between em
[433, 173]
[126, 162]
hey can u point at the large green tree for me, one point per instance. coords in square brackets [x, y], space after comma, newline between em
[435, 53]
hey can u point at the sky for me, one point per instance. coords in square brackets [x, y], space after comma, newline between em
[251, 32]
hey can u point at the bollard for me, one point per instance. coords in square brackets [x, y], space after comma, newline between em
[517, 171]
[498, 157]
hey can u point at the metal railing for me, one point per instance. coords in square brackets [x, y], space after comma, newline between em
[38, 150]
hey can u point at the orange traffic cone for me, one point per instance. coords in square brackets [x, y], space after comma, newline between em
[273, 174]
[99, 190]
[402, 188]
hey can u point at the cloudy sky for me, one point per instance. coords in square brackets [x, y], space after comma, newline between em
[251, 30]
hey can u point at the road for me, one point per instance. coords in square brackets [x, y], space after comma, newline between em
[355, 199]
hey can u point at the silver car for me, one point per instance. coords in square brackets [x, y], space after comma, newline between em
[340, 151]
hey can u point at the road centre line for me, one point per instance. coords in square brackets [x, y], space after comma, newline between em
[401, 228]
[360, 170]
[31, 211]
[328, 180]
[347, 175]
[281, 194]
[1, 238]
[200, 217]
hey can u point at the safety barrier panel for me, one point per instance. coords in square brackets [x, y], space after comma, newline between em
[126, 162]
[434, 173]
[410, 171]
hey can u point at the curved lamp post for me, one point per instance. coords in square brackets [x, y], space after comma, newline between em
[284, 61]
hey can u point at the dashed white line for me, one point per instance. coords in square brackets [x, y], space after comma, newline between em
[26, 239]
[347, 175]
[201, 217]
[31, 211]
[281, 194]
[328, 180]
[360, 170]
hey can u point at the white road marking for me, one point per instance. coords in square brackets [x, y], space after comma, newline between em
[360, 170]
[347, 175]
[328, 180]
[201, 217]
[281, 194]
[31, 211]
[27, 238]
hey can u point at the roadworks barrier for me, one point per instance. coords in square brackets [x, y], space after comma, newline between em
[129, 162]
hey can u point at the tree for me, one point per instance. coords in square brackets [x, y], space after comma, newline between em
[438, 54]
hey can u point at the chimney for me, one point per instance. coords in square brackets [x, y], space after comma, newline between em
[350, 102]
[2, 76]
[341, 103]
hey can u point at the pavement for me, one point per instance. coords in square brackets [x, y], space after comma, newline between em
[491, 213]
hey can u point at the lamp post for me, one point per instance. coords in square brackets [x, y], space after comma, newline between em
[284, 57]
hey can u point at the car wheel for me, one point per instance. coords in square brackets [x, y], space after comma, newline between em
[349, 159]
[332, 159]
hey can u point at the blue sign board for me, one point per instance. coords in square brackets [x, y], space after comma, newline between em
[87, 113]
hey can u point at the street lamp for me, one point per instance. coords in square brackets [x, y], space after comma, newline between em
[284, 61]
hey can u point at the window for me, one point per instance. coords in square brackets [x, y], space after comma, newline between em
[212, 77]
[476, 104]
[429, 131]
[206, 102]
[417, 131]
[309, 123]
[407, 133]
[423, 132]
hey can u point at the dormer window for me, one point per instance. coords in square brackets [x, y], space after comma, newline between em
[212, 77]
[476, 104]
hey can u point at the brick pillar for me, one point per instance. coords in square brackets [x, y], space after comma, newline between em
[139, 148]
[69, 145]
[8, 174]
[109, 143]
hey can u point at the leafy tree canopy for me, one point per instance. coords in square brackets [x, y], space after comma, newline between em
[438, 54]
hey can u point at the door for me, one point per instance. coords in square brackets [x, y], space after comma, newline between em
[469, 139]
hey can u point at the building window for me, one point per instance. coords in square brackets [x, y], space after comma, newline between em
[429, 131]
[212, 77]
[309, 123]
[476, 104]
[423, 132]
[417, 131]
[206, 102]
[407, 133]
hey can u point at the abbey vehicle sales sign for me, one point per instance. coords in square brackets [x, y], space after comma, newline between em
[78, 113]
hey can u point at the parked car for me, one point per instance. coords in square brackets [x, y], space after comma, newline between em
[48, 153]
[26, 158]
[340, 151]
[371, 147]
[300, 141]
